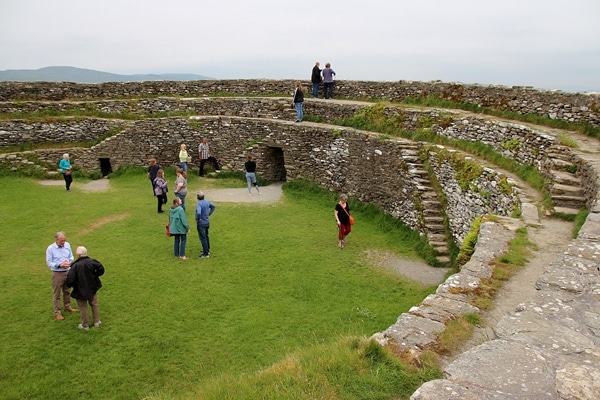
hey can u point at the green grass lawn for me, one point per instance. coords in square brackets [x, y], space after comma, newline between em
[275, 286]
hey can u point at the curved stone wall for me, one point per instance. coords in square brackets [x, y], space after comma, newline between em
[572, 107]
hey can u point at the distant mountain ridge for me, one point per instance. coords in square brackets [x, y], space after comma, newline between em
[81, 75]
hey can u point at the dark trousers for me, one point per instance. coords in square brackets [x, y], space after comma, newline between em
[68, 180]
[204, 238]
[328, 90]
[162, 199]
[214, 162]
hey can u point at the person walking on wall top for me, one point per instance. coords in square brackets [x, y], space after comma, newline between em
[299, 101]
[316, 80]
[328, 75]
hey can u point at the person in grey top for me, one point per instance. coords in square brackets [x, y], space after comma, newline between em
[328, 75]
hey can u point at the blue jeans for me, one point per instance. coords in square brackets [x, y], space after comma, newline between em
[183, 165]
[182, 197]
[204, 239]
[251, 179]
[316, 90]
[299, 112]
[328, 90]
[179, 245]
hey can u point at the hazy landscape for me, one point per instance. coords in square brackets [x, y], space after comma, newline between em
[81, 75]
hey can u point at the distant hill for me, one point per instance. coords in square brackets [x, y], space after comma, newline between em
[81, 75]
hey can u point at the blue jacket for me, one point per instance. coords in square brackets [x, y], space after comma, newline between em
[204, 209]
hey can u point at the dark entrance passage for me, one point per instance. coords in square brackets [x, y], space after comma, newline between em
[105, 167]
[274, 164]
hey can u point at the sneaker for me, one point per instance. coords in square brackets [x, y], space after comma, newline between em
[85, 328]
[183, 257]
[97, 324]
[204, 256]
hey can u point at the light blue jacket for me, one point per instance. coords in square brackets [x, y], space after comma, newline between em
[64, 165]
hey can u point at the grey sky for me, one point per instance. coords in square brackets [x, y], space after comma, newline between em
[542, 43]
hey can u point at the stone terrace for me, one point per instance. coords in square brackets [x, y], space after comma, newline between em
[549, 347]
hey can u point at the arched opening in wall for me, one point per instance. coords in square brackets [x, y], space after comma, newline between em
[105, 166]
[273, 164]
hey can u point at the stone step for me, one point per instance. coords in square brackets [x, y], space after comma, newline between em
[559, 156]
[438, 243]
[428, 195]
[566, 190]
[410, 159]
[567, 210]
[441, 250]
[565, 178]
[430, 212]
[443, 260]
[436, 237]
[435, 220]
[562, 164]
[435, 228]
[432, 204]
[568, 201]
[418, 172]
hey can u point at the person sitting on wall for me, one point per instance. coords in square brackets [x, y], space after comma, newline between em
[205, 155]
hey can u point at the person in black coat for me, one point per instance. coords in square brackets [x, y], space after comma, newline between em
[316, 79]
[298, 101]
[84, 278]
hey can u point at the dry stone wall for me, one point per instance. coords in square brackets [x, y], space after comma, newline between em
[524, 144]
[341, 159]
[573, 107]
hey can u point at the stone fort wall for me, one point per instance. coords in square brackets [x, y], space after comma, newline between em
[572, 107]
[549, 345]
[367, 166]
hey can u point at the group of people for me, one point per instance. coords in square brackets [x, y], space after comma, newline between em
[324, 76]
[318, 76]
[81, 274]
[179, 227]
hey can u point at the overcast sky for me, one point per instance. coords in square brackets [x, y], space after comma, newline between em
[547, 44]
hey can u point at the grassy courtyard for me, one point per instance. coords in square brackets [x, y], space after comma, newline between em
[278, 310]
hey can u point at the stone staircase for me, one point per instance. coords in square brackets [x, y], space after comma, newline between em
[433, 219]
[566, 189]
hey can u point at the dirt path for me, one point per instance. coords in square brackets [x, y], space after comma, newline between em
[552, 237]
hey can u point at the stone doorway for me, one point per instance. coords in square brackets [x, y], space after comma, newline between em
[105, 166]
[273, 164]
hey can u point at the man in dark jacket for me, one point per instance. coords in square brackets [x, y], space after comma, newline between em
[316, 79]
[84, 278]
